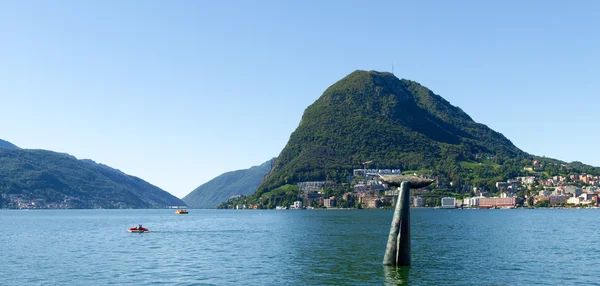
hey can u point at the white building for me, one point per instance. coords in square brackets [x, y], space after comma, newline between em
[448, 202]
[297, 205]
[471, 202]
[573, 200]
[527, 180]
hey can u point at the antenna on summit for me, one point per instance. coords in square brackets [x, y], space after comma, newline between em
[392, 67]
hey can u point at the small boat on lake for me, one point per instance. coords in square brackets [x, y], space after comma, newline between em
[138, 229]
[182, 211]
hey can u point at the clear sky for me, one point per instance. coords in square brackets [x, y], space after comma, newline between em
[178, 92]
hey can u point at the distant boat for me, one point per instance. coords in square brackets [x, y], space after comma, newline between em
[138, 229]
[182, 211]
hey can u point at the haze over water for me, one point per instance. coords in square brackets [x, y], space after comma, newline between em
[217, 247]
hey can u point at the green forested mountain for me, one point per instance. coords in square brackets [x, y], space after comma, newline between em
[59, 180]
[395, 123]
[221, 188]
[8, 145]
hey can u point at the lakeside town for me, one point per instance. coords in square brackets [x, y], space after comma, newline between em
[369, 192]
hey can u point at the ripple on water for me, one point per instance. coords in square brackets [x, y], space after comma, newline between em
[209, 247]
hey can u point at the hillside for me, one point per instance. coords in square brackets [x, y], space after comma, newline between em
[374, 116]
[59, 180]
[7, 145]
[224, 186]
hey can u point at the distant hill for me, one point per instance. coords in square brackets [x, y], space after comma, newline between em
[393, 123]
[61, 181]
[7, 145]
[374, 116]
[221, 188]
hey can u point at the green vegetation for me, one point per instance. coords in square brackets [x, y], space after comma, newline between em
[282, 196]
[58, 178]
[221, 188]
[373, 116]
[396, 123]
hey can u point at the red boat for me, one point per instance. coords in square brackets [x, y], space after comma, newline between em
[138, 229]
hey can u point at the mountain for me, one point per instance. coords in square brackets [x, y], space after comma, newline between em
[58, 180]
[221, 188]
[396, 123]
[7, 145]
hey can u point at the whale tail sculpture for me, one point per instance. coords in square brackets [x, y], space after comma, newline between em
[397, 251]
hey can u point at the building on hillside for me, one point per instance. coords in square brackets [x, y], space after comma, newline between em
[392, 192]
[375, 172]
[377, 186]
[349, 196]
[509, 186]
[360, 188]
[592, 189]
[315, 186]
[528, 180]
[486, 203]
[448, 202]
[573, 190]
[544, 193]
[588, 196]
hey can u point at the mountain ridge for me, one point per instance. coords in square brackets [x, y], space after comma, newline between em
[7, 145]
[60, 180]
[222, 187]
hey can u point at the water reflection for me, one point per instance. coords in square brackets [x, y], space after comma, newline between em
[396, 275]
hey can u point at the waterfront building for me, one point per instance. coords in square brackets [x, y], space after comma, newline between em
[448, 202]
[418, 202]
[297, 205]
[329, 203]
[558, 199]
[471, 202]
[372, 202]
[486, 203]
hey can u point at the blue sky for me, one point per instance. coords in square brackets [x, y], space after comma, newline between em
[178, 92]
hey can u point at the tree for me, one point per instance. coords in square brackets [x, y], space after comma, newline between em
[530, 201]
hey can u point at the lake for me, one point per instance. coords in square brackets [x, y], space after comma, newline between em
[301, 247]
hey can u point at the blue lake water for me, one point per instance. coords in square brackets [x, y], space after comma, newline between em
[314, 247]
